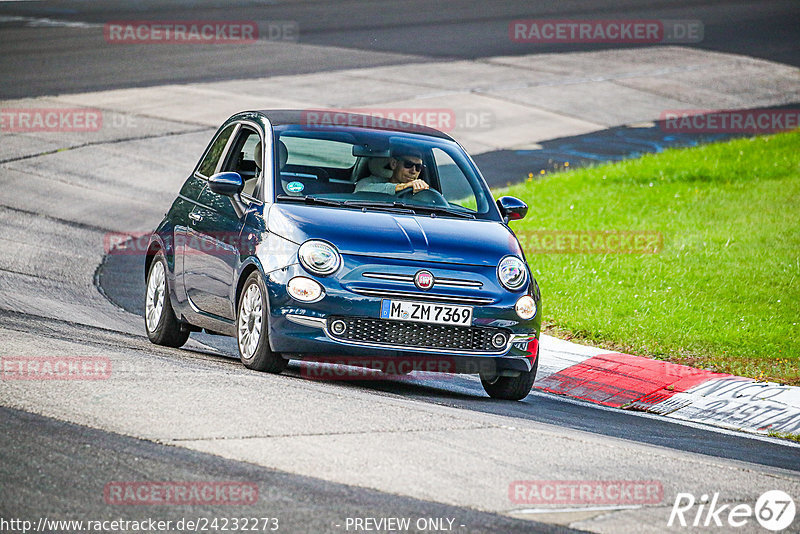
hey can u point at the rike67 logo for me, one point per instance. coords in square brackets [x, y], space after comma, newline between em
[774, 510]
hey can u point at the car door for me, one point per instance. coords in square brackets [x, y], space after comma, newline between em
[212, 252]
[187, 201]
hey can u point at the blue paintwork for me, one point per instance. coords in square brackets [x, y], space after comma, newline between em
[211, 247]
[416, 237]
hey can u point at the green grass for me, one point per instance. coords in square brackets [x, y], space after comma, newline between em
[724, 291]
[783, 435]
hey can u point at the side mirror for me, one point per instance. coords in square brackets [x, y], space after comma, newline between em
[229, 184]
[512, 208]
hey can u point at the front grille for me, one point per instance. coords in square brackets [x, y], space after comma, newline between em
[419, 295]
[418, 335]
[409, 279]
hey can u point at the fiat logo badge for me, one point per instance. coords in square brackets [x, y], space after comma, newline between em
[423, 279]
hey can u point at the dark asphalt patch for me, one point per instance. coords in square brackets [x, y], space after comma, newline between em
[48, 60]
[508, 167]
[59, 470]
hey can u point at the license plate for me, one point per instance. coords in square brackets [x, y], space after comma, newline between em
[425, 312]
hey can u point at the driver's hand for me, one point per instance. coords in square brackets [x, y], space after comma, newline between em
[419, 185]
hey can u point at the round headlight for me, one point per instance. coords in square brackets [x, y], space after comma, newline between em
[526, 307]
[305, 289]
[512, 273]
[318, 257]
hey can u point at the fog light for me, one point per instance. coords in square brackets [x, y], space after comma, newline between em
[338, 327]
[305, 289]
[499, 341]
[526, 307]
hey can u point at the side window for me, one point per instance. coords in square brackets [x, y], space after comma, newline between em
[242, 159]
[209, 163]
[455, 186]
[242, 155]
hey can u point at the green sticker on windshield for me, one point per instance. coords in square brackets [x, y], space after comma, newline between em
[295, 187]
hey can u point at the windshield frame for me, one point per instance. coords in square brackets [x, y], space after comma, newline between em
[386, 138]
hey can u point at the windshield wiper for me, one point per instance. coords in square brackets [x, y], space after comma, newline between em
[395, 206]
[310, 199]
[434, 209]
[385, 206]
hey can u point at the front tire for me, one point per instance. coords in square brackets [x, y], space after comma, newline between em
[252, 327]
[163, 328]
[511, 387]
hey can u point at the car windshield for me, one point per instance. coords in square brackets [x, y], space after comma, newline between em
[378, 170]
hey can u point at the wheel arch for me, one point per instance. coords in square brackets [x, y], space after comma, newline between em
[152, 249]
[248, 268]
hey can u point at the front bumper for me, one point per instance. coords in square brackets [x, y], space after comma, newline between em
[303, 330]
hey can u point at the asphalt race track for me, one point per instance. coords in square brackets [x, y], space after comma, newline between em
[304, 504]
[120, 280]
[320, 452]
[48, 59]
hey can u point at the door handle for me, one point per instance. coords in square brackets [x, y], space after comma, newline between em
[195, 217]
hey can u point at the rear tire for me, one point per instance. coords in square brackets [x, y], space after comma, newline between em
[162, 327]
[511, 387]
[252, 326]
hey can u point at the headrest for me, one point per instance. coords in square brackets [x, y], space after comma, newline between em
[257, 155]
[283, 155]
[380, 167]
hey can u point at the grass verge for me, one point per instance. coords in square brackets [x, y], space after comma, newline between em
[783, 435]
[723, 290]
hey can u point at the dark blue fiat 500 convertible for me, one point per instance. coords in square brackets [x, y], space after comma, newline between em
[309, 235]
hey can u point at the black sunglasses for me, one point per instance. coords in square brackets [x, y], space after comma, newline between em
[409, 164]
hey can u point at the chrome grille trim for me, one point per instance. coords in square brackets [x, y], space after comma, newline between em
[409, 278]
[314, 322]
[389, 276]
[454, 299]
[452, 282]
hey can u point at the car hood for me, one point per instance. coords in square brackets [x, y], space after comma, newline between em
[390, 235]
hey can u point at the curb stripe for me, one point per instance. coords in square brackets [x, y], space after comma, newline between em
[623, 380]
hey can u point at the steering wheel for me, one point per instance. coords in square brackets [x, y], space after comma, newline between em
[427, 196]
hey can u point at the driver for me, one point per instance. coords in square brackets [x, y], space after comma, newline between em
[406, 165]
